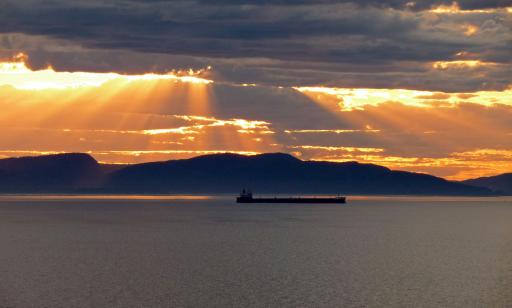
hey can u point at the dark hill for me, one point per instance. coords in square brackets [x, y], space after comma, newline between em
[276, 173]
[220, 173]
[51, 173]
[500, 183]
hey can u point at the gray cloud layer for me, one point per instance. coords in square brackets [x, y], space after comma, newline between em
[340, 43]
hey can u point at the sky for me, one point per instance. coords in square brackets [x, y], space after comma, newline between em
[423, 86]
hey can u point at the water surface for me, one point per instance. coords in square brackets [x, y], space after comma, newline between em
[196, 251]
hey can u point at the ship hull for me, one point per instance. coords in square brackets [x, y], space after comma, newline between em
[292, 200]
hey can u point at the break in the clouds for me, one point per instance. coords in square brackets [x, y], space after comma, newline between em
[137, 118]
[371, 44]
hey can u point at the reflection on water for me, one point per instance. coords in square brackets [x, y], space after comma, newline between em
[4, 198]
[208, 251]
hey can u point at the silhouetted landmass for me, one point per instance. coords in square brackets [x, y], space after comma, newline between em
[499, 183]
[51, 173]
[277, 173]
[219, 173]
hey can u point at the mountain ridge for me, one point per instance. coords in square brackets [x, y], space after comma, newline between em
[218, 173]
[68, 172]
[501, 183]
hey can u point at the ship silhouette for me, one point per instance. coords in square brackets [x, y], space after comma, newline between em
[247, 197]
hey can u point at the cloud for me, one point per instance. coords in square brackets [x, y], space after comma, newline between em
[436, 96]
[422, 4]
[348, 43]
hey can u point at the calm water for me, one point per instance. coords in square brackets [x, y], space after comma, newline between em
[211, 252]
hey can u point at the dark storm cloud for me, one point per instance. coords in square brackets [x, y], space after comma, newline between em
[421, 4]
[310, 42]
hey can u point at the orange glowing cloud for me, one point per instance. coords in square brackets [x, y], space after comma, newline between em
[454, 8]
[461, 64]
[470, 30]
[353, 99]
[333, 131]
[339, 149]
[200, 123]
[343, 99]
[18, 75]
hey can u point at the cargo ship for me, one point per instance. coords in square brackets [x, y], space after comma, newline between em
[247, 197]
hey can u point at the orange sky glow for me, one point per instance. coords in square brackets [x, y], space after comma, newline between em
[120, 118]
